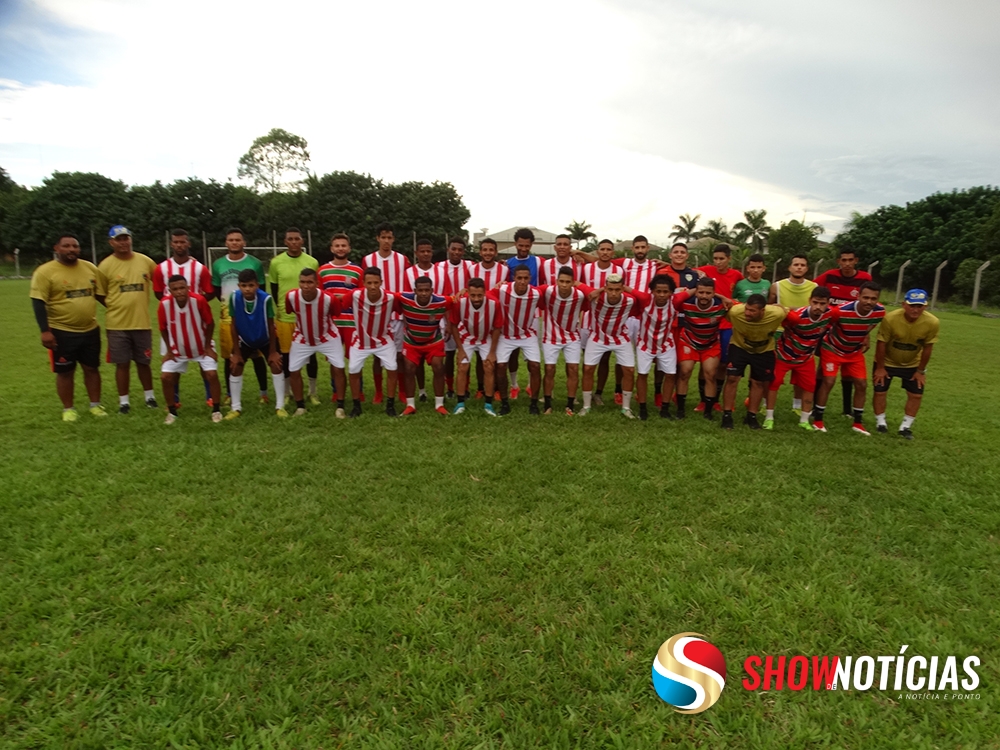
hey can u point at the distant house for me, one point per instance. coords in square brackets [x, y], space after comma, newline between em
[545, 242]
[624, 247]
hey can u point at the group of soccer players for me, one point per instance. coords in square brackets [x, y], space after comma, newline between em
[478, 319]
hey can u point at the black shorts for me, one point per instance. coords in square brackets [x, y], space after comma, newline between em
[905, 374]
[72, 347]
[761, 365]
[249, 352]
[130, 346]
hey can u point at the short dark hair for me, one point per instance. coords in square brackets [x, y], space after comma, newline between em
[640, 238]
[307, 272]
[566, 271]
[293, 230]
[847, 251]
[820, 292]
[564, 237]
[340, 236]
[756, 258]
[606, 242]
[706, 281]
[662, 278]
[236, 230]
[799, 255]
[385, 226]
[477, 282]
[247, 274]
[519, 268]
[179, 232]
[487, 241]
[870, 285]
[423, 281]
[756, 300]
[459, 240]
[59, 237]
[524, 234]
[423, 241]
[373, 271]
[678, 243]
[175, 278]
[722, 247]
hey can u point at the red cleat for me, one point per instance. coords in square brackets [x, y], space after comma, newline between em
[440, 410]
[515, 392]
[746, 402]
[528, 391]
[700, 407]
[819, 427]
[408, 411]
[496, 395]
[658, 400]
[618, 399]
[362, 399]
[479, 394]
[378, 397]
[717, 407]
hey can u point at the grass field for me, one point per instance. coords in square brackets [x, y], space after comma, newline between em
[467, 582]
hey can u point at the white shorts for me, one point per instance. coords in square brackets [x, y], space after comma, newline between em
[397, 336]
[632, 325]
[665, 362]
[570, 352]
[584, 337]
[624, 353]
[449, 342]
[386, 355]
[300, 353]
[529, 347]
[483, 350]
[180, 364]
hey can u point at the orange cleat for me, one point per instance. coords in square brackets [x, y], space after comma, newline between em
[408, 411]
[440, 410]
[515, 392]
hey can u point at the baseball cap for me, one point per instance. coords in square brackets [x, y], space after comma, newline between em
[118, 230]
[916, 297]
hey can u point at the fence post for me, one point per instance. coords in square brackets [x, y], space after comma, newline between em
[93, 247]
[871, 266]
[274, 241]
[309, 233]
[17, 262]
[979, 278]
[819, 264]
[204, 251]
[899, 282]
[937, 283]
[774, 271]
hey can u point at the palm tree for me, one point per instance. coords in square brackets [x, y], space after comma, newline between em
[579, 231]
[717, 230]
[754, 229]
[685, 231]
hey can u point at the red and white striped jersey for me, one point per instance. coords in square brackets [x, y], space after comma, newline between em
[393, 269]
[609, 321]
[199, 278]
[372, 320]
[458, 275]
[475, 325]
[518, 311]
[435, 273]
[563, 314]
[492, 277]
[185, 326]
[656, 325]
[595, 278]
[637, 275]
[313, 320]
[548, 270]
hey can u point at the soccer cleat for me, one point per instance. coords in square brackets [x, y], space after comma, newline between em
[98, 411]
[848, 414]
[124, 409]
[459, 409]
[906, 433]
[768, 424]
[570, 412]
[528, 391]
[225, 402]
[488, 408]
[496, 396]
[208, 402]
[299, 412]
[390, 410]
[583, 412]
[171, 418]
[643, 416]
[819, 426]
[658, 401]
[597, 400]
[882, 429]
[263, 399]
[355, 411]
[707, 413]
[665, 413]
[533, 410]
[515, 392]
[806, 426]
[480, 394]
[504, 409]
[216, 417]
[314, 400]
[750, 420]
[377, 399]
[746, 402]
[423, 398]
[281, 413]
[727, 422]
[860, 429]
[627, 413]
[233, 414]
[618, 399]
[681, 412]
[449, 394]
[151, 403]
[700, 407]
[547, 411]
[70, 415]
[717, 407]
[408, 411]
[442, 410]
[340, 414]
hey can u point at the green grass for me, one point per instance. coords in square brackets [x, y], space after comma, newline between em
[468, 582]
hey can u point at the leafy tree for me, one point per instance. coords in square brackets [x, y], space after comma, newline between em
[964, 281]
[792, 238]
[753, 228]
[273, 158]
[11, 194]
[716, 229]
[579, 231]
[685, 231]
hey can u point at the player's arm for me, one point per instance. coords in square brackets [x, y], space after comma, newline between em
[772, 294]
[494, 338]
[42, 318]
[237, 356]
[879, 375]
[207, 290]
[161, 318]
[158, 286]
[101, 290]
[209, 328]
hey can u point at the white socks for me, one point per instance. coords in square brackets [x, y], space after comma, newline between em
[438, 401]
[769, 414]
[587, 396]
[123, 400]
[880, 420]
[411, 402]
[907, 423]
[148, 395]
[279, 390]
[626, 399]
[804, 417]
[236, 392]
[797, 403]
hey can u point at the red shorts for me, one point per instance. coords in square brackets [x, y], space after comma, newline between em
[686, 353]
[419, 354]
[804, 375]
[852, 366]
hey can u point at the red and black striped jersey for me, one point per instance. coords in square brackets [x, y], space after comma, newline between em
[802, 334]
[843, 289]
[849, 333]
[699, 328]
[422, 324]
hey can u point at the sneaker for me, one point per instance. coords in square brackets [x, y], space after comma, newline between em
[98, 411]
[768, 424]
[496, 396]
[216, 417]
[377, 399]
[533, 410]
[423, 398]
[355, 411]
[459, 408]
[390, 410]
[700, 407]
[340, 414]
[527, 390]
[233, 414]
[643, 415]
[750, 420]
[300, 412]
[488, 408]
[480, 395]
[681, 412]
[408, 411]
[208, 402]
[583, 412]
[597, 400]
[706, 413]
[515, 392]
[570, 412]
[314, 399]
[263, 399]
[171, 418]
[906, 433]
[280, 413]
[727, 422]
[658, 401]
[717, 407]
[860, 429]
[547, 411]
[151, 403]
[806, 426]
[70, 415]
[882, 429]
[618, 399]
[627, 413]
[665, 413]
[442, 410]
[819, 426]
[124, 409]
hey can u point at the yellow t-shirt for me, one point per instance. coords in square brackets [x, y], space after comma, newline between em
[68, 293]
[128, 285]
[794, 295]
[905, 341]
[756, 337]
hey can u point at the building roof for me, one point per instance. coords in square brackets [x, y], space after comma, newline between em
[507, 235]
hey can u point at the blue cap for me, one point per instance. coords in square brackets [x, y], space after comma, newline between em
[118, 230]
[916, 297]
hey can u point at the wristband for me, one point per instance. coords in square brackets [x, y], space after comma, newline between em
[922, 372]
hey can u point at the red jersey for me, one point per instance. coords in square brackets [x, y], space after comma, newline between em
[458, 274]
[610, 321]
[595, 278]
[185, 326]
[563, 314]
[475, 324]
[699, 329]
[843, 289]
[518, 311]
[392, 269]
[637, 275]
[439, 279]
[313, 320]
[548, 270]
[372, 320]
[337, 279]
[199, 278]
[422, 324]
[656, 325]
[802, 334]
[849, 333]
[492, 277]
[724, 284]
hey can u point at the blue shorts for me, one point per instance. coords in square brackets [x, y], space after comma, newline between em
[724, 335]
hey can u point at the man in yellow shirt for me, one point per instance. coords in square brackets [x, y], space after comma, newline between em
[64, 297]
[283, 277]
[126, 289]
[793, 293]
[905, 341]
[752, 344]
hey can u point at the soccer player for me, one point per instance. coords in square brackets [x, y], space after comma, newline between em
[524, 238]
[284, 276]
[700, 314]
[548, 268]
[63, 296]
[518, 303]
[375, 311]
[124, 287]
[392, 266]
[475, 325]
[562, 305]
[610, 309]
[843, 349]
[225, 282]
[440, 285]
[794, 292]
[903, 348]
[754, 283]
[677, 269]
[458, 271]
[423, 340]
[251, 315]
[844, 283]
[595, 275]
[804, 328]
[655, 347]
[315, 333]
[337, 276]
[725, 279]
[492, 272]
[186, 324]
[754, 323]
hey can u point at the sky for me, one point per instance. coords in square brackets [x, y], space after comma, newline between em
[621, 114]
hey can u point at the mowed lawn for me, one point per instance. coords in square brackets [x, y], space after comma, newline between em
[466, 582]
